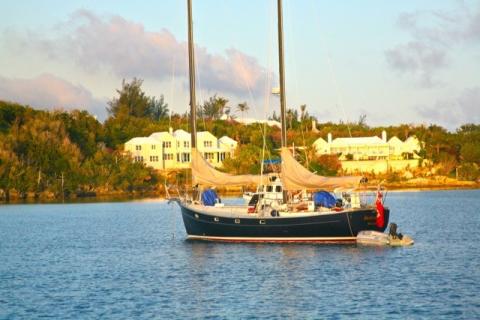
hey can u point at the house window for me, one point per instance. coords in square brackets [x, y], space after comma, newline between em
[207, 144]
[154, 147]
[167, 144]
[186, 144]
[178, 144]
[138, 159]
[168, 156]
[209, 155]
[138, 147]
[185, 157]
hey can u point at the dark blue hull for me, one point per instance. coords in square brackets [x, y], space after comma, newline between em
[332, 227]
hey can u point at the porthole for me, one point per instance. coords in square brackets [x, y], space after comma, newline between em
[261, 221]
[216, 219]
[197, 216]
[237, 220]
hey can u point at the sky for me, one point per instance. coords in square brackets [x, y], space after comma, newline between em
[396, 62]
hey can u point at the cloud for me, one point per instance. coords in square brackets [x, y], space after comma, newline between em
[454, 112]
[127, 50]
[434, 34]
[50, 92]
[418, 59]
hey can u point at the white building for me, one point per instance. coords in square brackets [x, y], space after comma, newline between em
[172, 150]
[371, 153]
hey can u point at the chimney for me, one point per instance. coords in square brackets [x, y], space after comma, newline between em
[384, 136]
[329, 139]
[314, 126]
[170, 130]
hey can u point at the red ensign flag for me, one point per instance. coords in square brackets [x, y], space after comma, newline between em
[380, 210]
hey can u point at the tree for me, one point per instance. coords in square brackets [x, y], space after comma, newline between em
[159, 109]
[243, 107]
[303, 113]
[214, 107]
[132, 101]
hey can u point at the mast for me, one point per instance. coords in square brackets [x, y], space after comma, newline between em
[281, 71]
[191, 64]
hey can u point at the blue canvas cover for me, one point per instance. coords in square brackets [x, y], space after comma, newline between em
[324, 199]
[209, 197]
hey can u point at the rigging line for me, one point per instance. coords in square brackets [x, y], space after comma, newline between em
[247, 84]
[333, 79]
[172, 89]
[295, 73]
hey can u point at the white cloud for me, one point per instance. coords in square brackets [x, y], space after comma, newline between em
[50, 92]
[433, 36]
[127, 50]
[454, 112]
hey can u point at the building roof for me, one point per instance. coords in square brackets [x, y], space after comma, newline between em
[395, 140]
[227, 140]
[358, 141]
[205, 134]
[141, 140]
[320, 139]
[182, 134]
[270, 123]
[161, 135]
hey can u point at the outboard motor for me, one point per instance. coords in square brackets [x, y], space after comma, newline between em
[393, 232]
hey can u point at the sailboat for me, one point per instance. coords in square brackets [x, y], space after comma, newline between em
[290, 219]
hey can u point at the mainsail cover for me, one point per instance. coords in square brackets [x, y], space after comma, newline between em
[205, 174]
[295, 177]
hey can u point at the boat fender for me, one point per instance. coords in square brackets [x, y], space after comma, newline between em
[274, 213]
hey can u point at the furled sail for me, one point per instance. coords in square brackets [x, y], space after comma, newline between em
[205, 174]
[295, 177]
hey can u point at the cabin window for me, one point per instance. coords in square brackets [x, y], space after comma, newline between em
[278, 188]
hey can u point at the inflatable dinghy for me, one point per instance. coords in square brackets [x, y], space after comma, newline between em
[376, 238]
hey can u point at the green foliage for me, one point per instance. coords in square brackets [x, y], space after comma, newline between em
[132, 101]
[66, 152]
[247, 159]
[214, 107]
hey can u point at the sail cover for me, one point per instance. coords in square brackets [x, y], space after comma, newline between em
[295, 177]
[205, 174]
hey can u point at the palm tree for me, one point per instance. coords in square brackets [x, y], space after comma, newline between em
[303, 107]
[243, 107]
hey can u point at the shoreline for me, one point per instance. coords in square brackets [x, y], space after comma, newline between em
[160, 196]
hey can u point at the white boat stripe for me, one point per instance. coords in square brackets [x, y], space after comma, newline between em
[271, 239]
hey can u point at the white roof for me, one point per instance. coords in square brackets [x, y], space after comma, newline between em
[358, 141]
[161, 135]
[320, 140]
[227, 140]
[395, 140]
[205, 134]
[181, 134]
[270, 123]
[141, 140]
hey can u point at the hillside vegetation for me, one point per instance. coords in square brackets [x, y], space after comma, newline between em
[59, 154]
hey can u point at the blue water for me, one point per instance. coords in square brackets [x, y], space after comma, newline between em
[130, 260]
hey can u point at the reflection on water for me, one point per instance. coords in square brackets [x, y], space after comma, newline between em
[131, 260]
